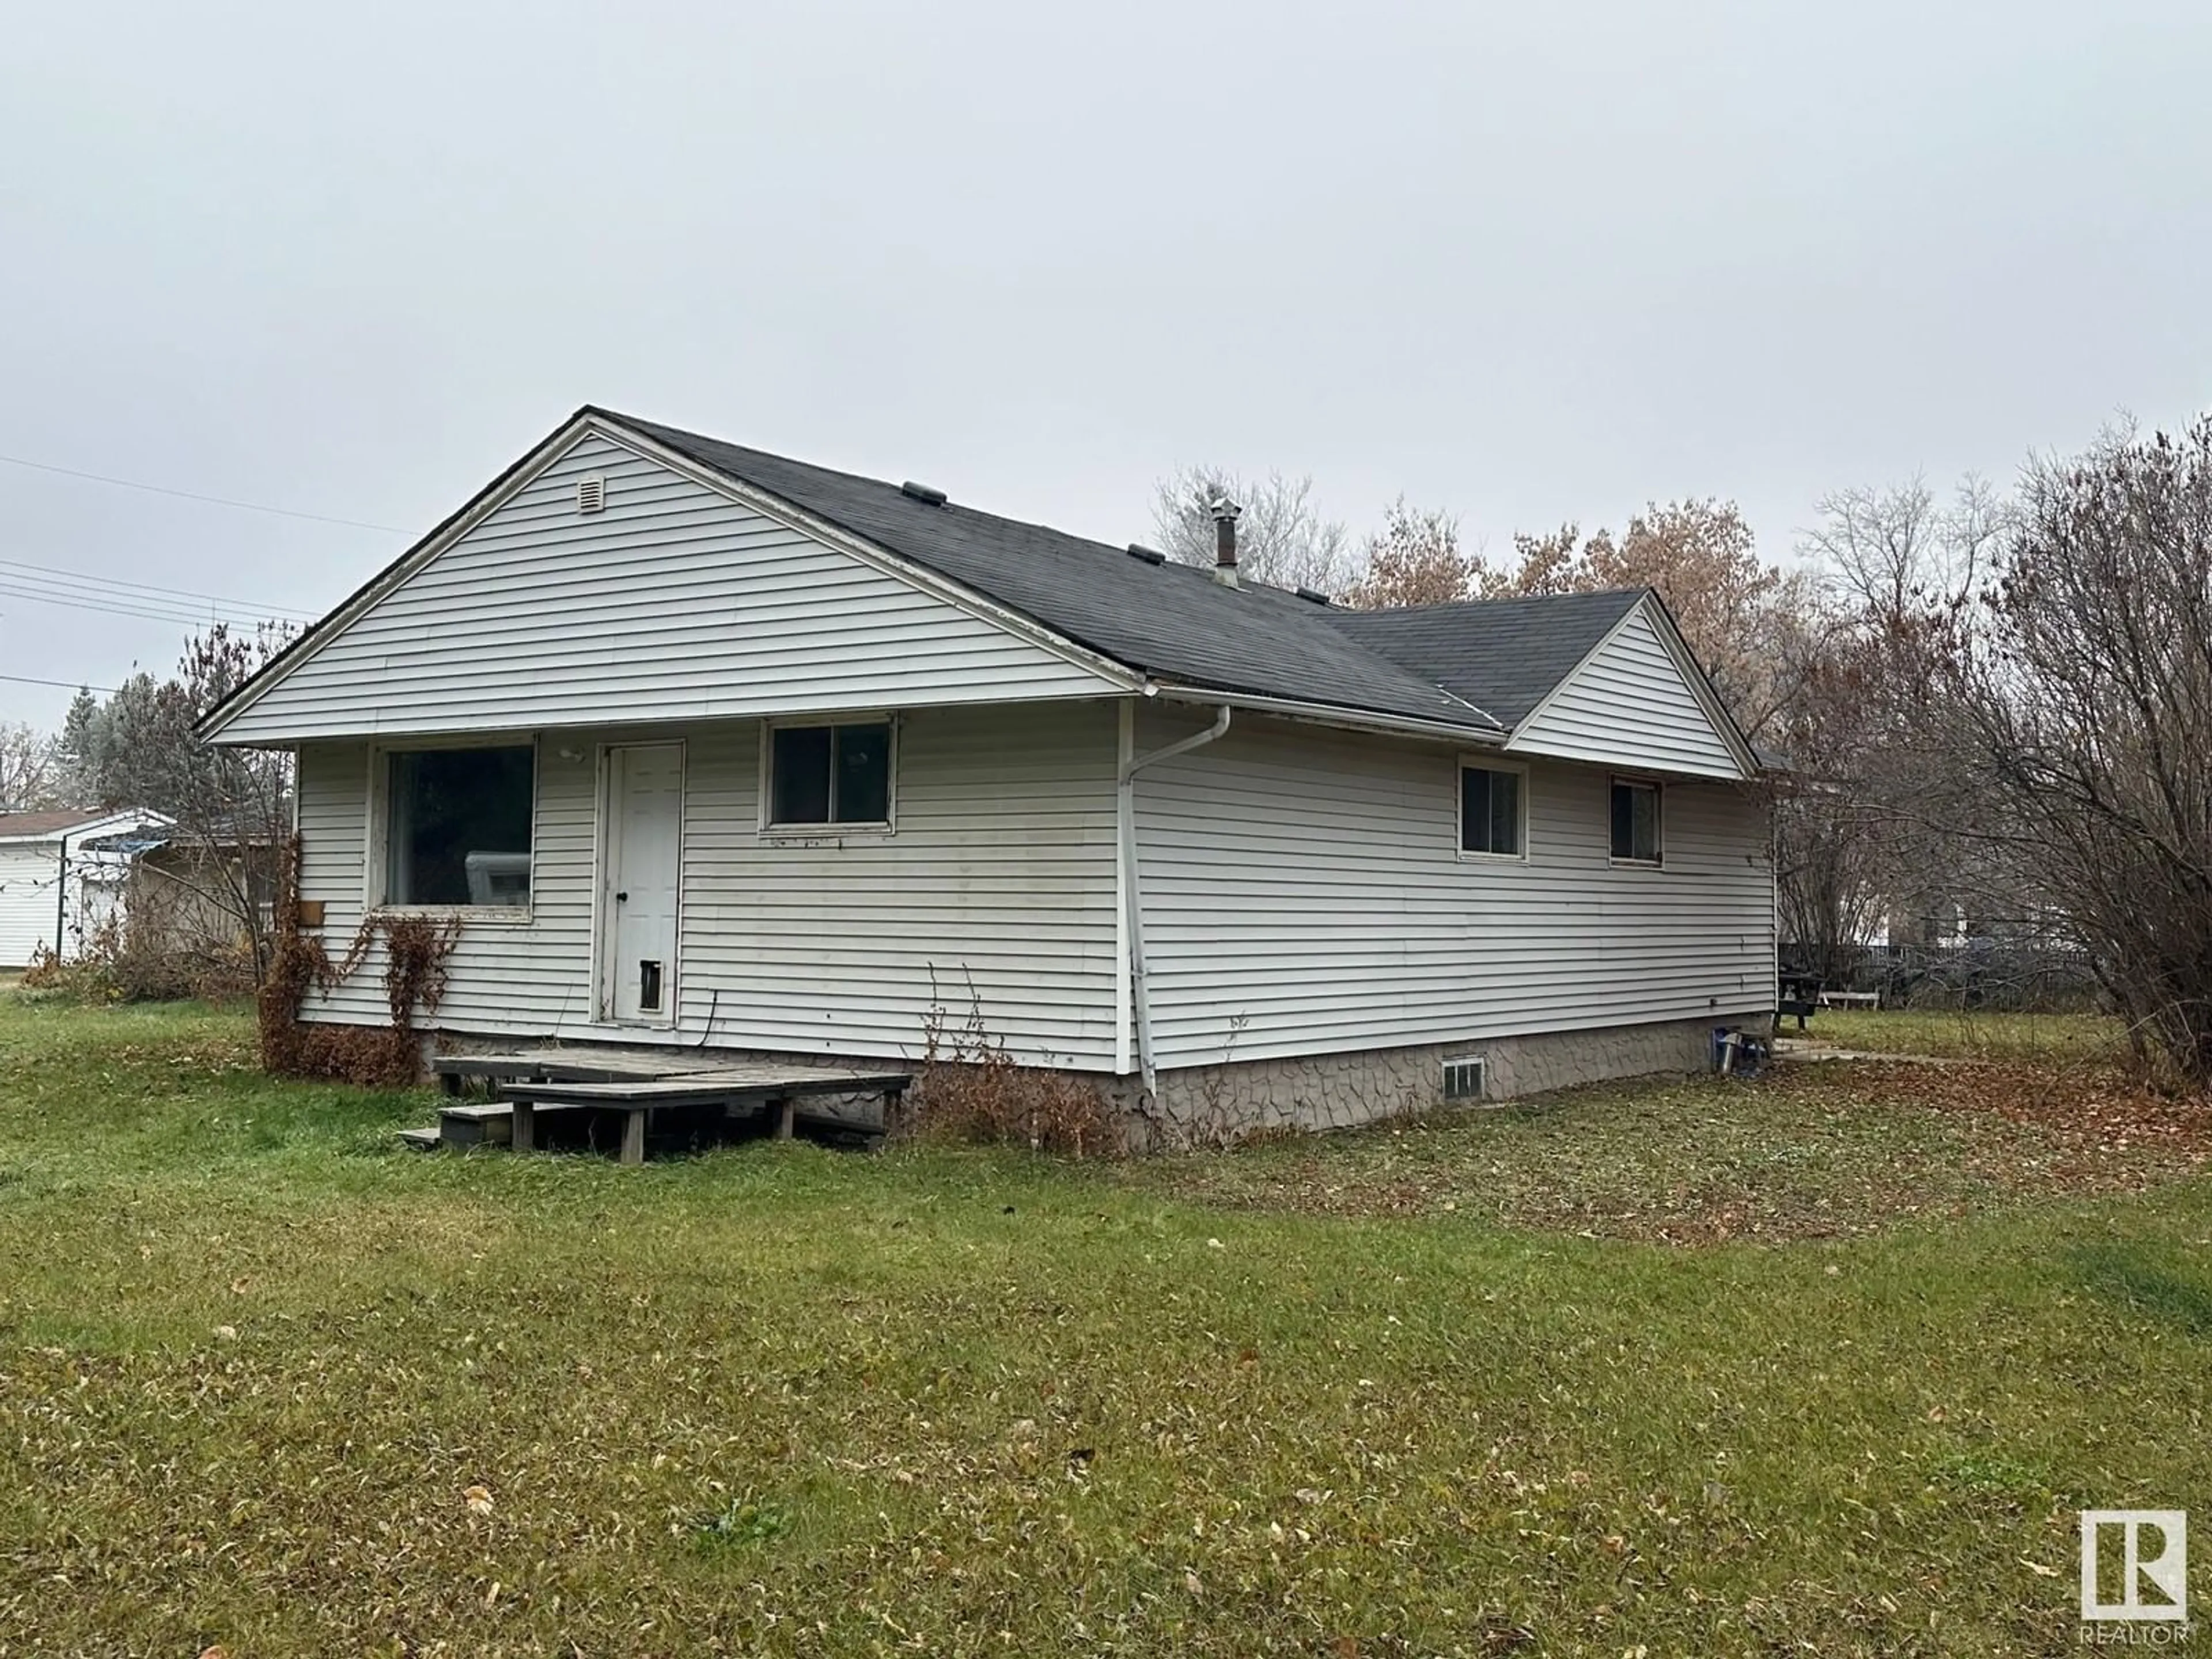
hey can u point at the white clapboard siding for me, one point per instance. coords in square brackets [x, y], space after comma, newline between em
[506, 976]
[27, 877]
[1303, 894]
[1000, 871]
[1629, 706]
[673, 602]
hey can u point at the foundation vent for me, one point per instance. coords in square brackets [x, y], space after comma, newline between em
[591, 494]
[1464, 1077]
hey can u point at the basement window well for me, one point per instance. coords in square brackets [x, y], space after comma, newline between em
[457, 828]
[829, 775]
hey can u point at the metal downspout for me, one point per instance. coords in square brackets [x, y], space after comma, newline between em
[1126, 812]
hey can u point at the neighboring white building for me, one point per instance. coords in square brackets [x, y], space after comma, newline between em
[63, 874]
[708, 747]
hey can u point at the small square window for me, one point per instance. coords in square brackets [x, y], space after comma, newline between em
[1635, 822]
[830, 774]
[1491, 811]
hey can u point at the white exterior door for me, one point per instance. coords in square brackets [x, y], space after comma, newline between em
[640, 859]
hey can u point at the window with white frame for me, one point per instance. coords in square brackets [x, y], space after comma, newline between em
[829, 775]
[1493, 810]
[1635, 822]
[457, 825]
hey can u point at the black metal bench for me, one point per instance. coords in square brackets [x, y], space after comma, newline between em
[1798, 995]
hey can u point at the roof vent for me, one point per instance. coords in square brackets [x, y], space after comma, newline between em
[591, 493]
[1149, 555]
[922, 493]
[1317, 599]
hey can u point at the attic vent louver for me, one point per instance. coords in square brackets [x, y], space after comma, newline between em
[591, 493]
[1149, 555]
[1317, 599]
[922, 493]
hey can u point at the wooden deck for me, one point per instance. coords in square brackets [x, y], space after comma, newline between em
[704, 1093]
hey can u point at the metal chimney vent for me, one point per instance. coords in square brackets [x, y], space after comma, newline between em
[591, 493]
[1226, 513]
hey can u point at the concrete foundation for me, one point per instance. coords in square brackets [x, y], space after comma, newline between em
[1215, 1105]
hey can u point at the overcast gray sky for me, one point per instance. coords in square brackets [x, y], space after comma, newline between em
[1525, 262]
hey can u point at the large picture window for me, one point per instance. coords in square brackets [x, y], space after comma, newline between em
[830, 774]
[1492, 811]
[458, 830]
[1635, 822]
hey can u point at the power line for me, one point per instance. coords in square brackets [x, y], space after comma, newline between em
[66, 685]
[122, 604]
[125, 605]
[95, 584]
[191, 495]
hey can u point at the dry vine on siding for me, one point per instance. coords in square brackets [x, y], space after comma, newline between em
[417, 952]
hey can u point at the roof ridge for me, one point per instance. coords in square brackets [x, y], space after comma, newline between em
[950, 504]
[1271, 641]
[1435, 606]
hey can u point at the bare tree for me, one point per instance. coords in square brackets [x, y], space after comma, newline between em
[1836, 840]
[1895, 553]
[2078, 724]
[1281, 539]
[231, 807]
[1739, 614]
[1414, 559]
[1868, 836]
[29, 773]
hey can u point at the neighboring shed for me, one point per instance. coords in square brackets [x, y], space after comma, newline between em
[63, 875]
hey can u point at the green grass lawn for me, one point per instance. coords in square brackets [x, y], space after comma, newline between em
[1970, 1034]
[1447, 1388]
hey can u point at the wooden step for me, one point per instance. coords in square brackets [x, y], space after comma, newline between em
[477, 1124]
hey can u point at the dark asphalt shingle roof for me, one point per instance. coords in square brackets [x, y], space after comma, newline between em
[1479, 666]
[1504, 655]
[1169, 620]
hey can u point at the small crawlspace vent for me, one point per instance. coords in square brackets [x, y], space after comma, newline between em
[1463, 1078]
[591, 493]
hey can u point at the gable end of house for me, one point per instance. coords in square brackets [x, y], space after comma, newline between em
[1639, 701]
[602, 577]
